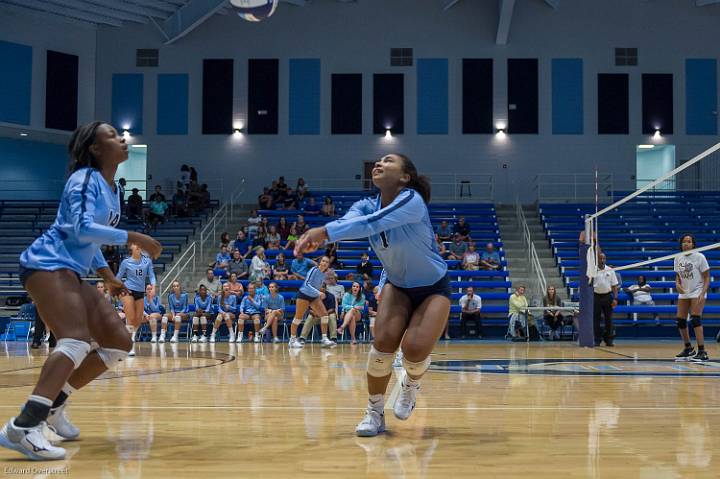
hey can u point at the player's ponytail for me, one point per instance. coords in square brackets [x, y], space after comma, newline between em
[79, 147]
[417, 182]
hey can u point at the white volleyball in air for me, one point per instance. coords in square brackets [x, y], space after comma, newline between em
[254, 10]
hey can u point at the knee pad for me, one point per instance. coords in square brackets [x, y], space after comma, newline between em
[112, 356]
[681, 323]
[325, 320]
[379, 364]
[164, 319]
[74, 349]
[416, 369]
[297, 321]
[177, 319]
[196, 320]
[203, 320]
[695, 320]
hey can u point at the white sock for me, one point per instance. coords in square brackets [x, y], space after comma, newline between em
[324, 336]
[68, 389]
[408, 381]
[376, 402]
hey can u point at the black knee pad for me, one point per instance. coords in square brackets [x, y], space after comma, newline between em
[681, 323]
[695, 320]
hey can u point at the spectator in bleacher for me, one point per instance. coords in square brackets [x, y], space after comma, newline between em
[274, 192]
[442, 250]
[300, 266]
[259, 239]
[553, 318]
[365, 267]
[283, 228]
[328, 207]
[281, 185]
[274, 312]
[290, 201]
[490, 259]
[193, 174]
[265, 200]
[157, 195]
[353, 304]
[300, 225]
[179, 203]
[280, 270]
[273, 238]
[204, 312]
[227, 310]
[252, 308]
[337, 290]
[260, 288]
[372, 305]
[312, 208]
[184, 176]
[242, 244]
[518, 316]
[194, 198]
[605, 286]
[471, 259]
[253, 222]
[204, 201]
[368, 288]
[238, 266]
[225, 240]
[134, 210]
[444, 232]
[259, 267]
[301, 187]
[212, 284]
[112, 257]
[121, 192]
[157, 212]
[470, 306]
[236, 286]
[457, 248]
[291, 238]
[332, 254]
[223, 258]
[640, 293]
[462, 228]
[152, 313]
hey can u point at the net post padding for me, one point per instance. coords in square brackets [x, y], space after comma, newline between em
[585, 318]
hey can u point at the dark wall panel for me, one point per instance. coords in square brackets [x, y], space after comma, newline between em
[523, 95]
[217, 100]
[477, 99]
[263, 78]
[613, 104]
[61, 91]
[657, 103]
[346, 104]
[388, 103]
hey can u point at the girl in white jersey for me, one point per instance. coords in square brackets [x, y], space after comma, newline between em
[692, 280]
[51, 270]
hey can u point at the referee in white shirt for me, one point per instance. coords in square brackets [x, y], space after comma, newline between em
[605, 286]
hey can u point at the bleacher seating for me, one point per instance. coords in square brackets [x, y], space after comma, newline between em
[647, 227]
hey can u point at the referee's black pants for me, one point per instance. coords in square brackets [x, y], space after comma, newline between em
[602, 306]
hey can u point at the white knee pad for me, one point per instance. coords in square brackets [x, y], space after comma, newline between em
[196, 320]
[379, 364]
[325, 320]
[164, 319]
[416, 369]
[177, 319]
[297, 321]
[74, 349]
[111, 356]
[203, 320]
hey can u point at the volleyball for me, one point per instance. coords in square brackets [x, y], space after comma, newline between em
[254, 10]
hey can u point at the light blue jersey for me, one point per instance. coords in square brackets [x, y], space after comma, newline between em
[136, 273]
[252, 306]
[205, 305]
[227, 304]
[86, 218]
[274, 303]
[152, 306]
[400, 234]
[312, 283]
[178, 305]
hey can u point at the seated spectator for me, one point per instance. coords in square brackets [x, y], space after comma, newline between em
[372, 304]
[331, 253]
[442, 250]
[470, 305]
[252, 308]
[238, 266]
[291, 238]
[227, 309]
[368, 288]
[353, 304]
[283, 228]
[280, 271]
[553, 318]
[259, 267]
[223, 258]
[640, 293]
[337, 290]
[253, 222]
[236, 286]
[212, 284]
[282, 187]
[158, 195]
[300, 226]
[328, 207]
[274, 192]
[457, 248]
[259, 239]
[274, 312]
[462, 228]
[301, 187]
[300, 266]
[519, 319]
[471, 259]
[225, 240]
[242, 244]
[194, 198]
[365, 267]
[490, 259]
[158, 210]
[444, 232]
[260, 288]
[312, 208]
[179, 203]
[265, 200]
[289, 201]
[273, 238]
[134, 205]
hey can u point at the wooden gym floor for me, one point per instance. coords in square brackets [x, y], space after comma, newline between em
[488, 409]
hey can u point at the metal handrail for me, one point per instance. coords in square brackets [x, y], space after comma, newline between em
[180, 264]
[533, 259]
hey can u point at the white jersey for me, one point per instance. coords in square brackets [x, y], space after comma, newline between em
[690, 268]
